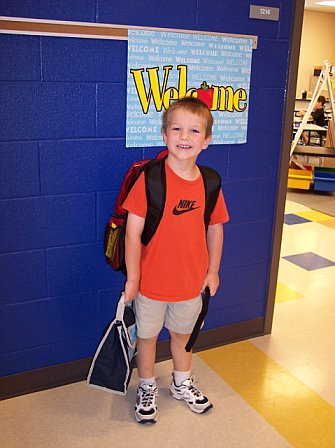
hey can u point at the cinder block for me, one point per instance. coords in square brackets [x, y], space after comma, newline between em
[13, 50]
[19, 171]
[231, 315]
[246, 244]
[80, 268]
[81, 166]
[144, 13]
[35, 223]
[74, 349]
[247, 163]
[269, 200]
[80, 10]
[259, 157]
[23, 276]
[149, 153]
[44, 322]
[235, 292]
[216, 156]
[23, 360]
[111, 110]
[285, 20]
[34, 111]
[269, 132]
[89, 60]
[266, 72]
[133, 154]
[249, 193]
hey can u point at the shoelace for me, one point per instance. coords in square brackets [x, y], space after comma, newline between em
[148, 396]
[194, 390]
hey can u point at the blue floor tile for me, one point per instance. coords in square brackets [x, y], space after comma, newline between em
[291, 218]
[309, 261]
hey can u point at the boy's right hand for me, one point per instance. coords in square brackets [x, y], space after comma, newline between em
[130, 290]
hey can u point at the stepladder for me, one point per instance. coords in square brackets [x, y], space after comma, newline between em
[324, 77]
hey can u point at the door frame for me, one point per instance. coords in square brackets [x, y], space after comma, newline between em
[298, 14]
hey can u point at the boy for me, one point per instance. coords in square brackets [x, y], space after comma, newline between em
[318, 116]
[167, 276]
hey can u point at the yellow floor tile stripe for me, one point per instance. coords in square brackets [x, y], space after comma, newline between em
[284, 293]
[330, 223]
[300, 415]
[313, 215]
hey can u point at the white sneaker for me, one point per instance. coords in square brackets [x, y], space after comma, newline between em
[146, 403]
[194, 398]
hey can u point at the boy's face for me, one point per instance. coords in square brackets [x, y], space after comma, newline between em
[185, 136]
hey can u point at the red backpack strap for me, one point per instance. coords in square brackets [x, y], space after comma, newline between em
[130, 178]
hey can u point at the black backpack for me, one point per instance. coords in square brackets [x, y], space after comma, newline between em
[155, 186]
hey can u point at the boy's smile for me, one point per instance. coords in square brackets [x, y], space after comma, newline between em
[186, 135]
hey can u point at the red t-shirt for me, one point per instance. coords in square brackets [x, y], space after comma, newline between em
[175, 262]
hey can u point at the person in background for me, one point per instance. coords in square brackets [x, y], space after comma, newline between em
[318, 117]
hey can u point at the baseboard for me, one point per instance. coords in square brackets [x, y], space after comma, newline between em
[71, 372]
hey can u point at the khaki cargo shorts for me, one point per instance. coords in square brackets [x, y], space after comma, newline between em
[152, 315]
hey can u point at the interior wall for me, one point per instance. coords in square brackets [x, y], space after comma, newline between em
[317, 45]
[63, 157]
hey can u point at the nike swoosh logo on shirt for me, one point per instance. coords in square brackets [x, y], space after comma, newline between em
[185, 210]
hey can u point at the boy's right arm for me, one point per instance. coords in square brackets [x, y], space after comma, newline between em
[134, 230]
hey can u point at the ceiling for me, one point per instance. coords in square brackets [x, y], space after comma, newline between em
[311, 5]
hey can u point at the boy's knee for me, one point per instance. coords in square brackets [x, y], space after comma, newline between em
[147, 341]
[179, 337]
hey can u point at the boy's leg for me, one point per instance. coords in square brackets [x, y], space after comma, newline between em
[182, 386]
[180, 320]
[181, 358]
[149, 318]
[146, 401]
[146, 356]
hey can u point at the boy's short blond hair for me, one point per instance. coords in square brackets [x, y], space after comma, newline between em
[193, 105]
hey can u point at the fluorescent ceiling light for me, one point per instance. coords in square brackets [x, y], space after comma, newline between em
[325, 3]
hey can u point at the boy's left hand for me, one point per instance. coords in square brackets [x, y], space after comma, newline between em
[212, 280]
[130, 290]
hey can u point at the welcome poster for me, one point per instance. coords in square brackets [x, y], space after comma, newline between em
[164, 66]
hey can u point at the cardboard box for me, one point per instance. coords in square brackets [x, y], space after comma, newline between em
[329, 162]
[330, 138]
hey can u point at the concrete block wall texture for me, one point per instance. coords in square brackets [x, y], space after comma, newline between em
[63, 157]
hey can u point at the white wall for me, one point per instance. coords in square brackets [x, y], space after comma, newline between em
[317, 45]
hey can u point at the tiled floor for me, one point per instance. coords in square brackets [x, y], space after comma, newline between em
[275, 391]
[309, 261]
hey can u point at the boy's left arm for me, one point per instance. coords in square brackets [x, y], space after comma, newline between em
[214, 245]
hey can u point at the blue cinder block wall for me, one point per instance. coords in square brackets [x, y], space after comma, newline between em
[63, 155]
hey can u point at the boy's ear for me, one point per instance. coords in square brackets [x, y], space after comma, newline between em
[164, 136]
[207, 142]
